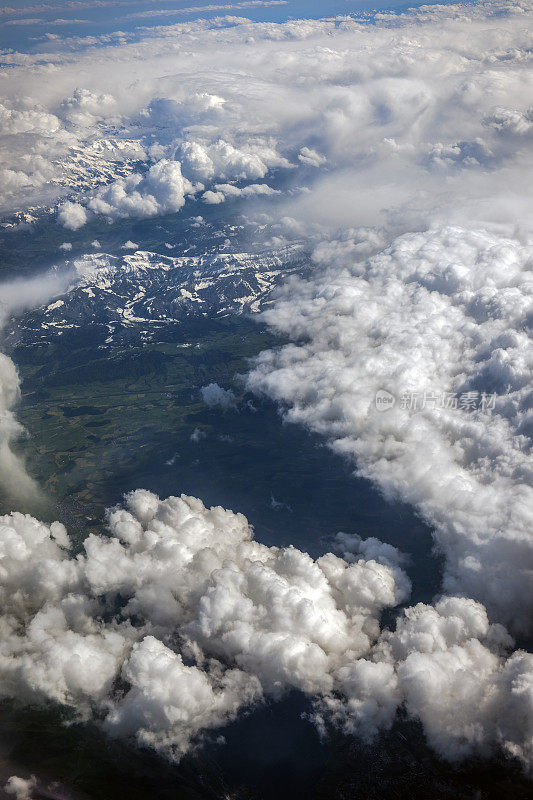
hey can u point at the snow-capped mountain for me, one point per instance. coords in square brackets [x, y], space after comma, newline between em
[87, 166]
[142, 293]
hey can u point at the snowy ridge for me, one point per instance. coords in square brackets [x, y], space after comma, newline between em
[142, 292]
[103, 161]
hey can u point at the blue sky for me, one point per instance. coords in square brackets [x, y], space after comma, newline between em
[23, 23]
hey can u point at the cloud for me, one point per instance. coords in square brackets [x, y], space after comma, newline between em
[310, 157]
[510, 120]
[72, 216]
[221, 621]
[160, 190]
[205, 8]
[445, 665]
[470, 700]
[221, 159]
[41, 7]
[215, 395]
[84, 108]
[20, 788]
[27, 21]
[435, 315]
[16, 486]
[169, 117]
[197, 435]
[175, 620]
[419, 127]
[225, 191]
[27, 119]
[49, 22]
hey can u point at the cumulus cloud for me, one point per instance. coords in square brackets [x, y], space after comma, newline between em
[20, 788]
[84, 108]
[446, 665]
[221, 621]
[31, 139]
[72, 216]
[221, 159]
[421, 122]
[24, 118]
[197, 435]
[215, 395]
[175, 620]
[509, 120]
[160, 190]
[15, 484]
[431, 318]
[226, 191]
[170, 116]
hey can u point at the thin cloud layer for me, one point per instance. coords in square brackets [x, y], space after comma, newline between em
[16, 486]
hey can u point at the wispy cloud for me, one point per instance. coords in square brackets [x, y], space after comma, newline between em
[238, 6]
[49, 22]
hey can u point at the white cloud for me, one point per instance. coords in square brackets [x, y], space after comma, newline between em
[160, 190]
[215, 395]
[225, 191]
[16, 486]
[27, 119]
[20, 788]
[445, 665]
[197, 435]
[245, 4]
[84, 108]
[439, 312]
[72, 216]
[252, 621]
[201, 622]
[421, 122]
[510, 120]
[310, 157]
[469, 699]
[202, 161]
[15, 483]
